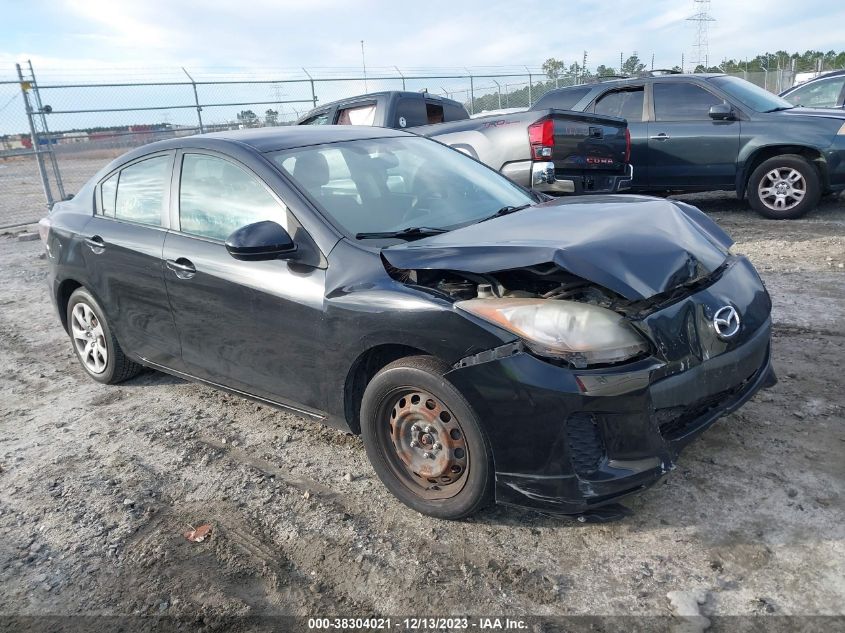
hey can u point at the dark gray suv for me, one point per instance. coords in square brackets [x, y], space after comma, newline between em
[707, 132]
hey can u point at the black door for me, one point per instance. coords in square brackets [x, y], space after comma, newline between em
[628, 103]
[251, 326]
[125, 240]
[686, 148]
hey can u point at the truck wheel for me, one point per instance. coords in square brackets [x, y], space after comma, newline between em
[94, 343]
[784, 187]
[425, 441]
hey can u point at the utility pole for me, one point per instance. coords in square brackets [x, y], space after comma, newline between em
[364, 64]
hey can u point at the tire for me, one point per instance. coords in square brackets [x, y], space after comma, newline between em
[784, 187]
[94, 343]
[411, 399]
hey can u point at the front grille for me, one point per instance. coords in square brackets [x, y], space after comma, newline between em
[675, 422]
[586, 447]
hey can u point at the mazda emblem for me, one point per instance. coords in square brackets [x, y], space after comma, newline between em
[726, 321]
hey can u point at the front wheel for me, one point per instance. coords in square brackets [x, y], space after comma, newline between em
[425, 441]
[784, 187]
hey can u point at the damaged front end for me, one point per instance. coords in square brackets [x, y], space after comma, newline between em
[600, 391]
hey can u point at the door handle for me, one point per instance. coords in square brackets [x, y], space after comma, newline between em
[660, 137]
[96, 244]
[183, 267]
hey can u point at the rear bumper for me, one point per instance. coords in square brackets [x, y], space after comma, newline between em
[573, 442]
[542, 176]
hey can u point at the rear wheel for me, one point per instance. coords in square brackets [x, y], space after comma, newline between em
[425, 441]
[94, 343]
[784, 187]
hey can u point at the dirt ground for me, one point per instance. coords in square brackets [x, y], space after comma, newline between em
[98, 483]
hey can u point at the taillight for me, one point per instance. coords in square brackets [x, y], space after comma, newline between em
[627, 145]
[44, 229]
[541, 136]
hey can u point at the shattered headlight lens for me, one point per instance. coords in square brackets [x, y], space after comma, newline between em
[581, 333]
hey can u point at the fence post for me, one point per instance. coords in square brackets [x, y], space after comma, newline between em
[45, 184]
[529, 86]
[57, 176]
[313, 94]
[401, 75]
[471, 91]
[196, 100]
[499, 89]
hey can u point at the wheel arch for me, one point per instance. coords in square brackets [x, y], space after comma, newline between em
[362, 370]
[761, 154]
[63, 292]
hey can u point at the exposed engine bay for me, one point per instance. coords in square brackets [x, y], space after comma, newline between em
[544, 281]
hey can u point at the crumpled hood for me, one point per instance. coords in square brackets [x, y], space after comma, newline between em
[827, 113]
[634, 245]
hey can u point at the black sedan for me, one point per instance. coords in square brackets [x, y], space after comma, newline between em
[708, 132]
[485, 343]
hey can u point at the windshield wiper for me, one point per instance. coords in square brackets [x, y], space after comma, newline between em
[780, 108]
[505, 211]
[412, 232]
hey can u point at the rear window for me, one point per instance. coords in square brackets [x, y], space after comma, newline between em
[410, 113]
[564, 99]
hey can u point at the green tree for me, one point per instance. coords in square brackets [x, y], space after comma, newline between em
[247, 118]
[271, 117]
[553, 68]
[633, 66]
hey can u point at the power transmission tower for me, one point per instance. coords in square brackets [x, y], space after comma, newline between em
[701, 44]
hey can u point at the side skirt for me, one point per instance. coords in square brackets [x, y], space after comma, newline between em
[237, 392]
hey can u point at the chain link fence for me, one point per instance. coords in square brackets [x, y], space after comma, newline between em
[56, 132]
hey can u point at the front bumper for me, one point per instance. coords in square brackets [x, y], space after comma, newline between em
[571, 441]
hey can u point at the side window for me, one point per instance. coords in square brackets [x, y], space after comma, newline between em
[140, 191]
[454, 112]
[317, 119]
[433, 112]
[410, 113]
[627, 104]
[682, 102]
[357, 115]
[107, 195]
[819, 94]
[216, 197]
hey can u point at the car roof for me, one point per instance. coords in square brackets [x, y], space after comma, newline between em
[270, 139]
[386, 93]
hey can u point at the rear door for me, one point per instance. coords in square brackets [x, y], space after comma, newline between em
[123, 257]
[250, 326]
[686, 148]
[629, 103]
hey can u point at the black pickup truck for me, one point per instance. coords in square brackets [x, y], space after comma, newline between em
[552, 151]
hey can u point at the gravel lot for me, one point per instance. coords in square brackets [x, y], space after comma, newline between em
[98, 483]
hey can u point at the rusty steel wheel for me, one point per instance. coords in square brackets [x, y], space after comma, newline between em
[429, 448]
[425, 441]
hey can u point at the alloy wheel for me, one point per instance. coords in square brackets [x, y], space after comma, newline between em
[782, 188]
[89, 338]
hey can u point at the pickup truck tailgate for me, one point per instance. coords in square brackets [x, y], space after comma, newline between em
[587, 142]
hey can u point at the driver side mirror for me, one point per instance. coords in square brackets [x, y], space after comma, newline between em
[260, 241]
[721, 112]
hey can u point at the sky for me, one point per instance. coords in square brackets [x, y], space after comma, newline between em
[80, 35]
[96, 41]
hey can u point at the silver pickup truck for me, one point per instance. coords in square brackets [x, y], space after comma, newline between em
[553, 151]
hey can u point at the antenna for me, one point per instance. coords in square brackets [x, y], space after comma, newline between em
[701, 44]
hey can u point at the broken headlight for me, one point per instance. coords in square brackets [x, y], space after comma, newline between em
[580, 333]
